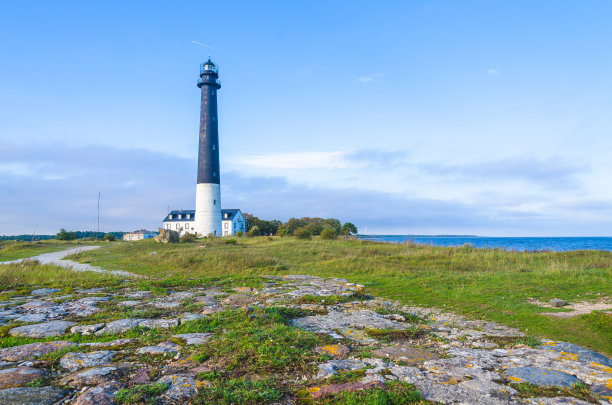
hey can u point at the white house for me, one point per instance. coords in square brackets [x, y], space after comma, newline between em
[139, 235]
[183, 221]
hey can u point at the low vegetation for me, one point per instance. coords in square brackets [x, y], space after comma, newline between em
[485, 283]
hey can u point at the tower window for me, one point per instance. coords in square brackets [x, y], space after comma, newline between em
[213, 92]
[214, 147]
[214, 202]
[214, 174]
[213, 118]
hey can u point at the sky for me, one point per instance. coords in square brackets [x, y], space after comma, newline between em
[402, 117]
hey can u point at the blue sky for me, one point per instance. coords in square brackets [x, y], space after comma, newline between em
[429, 117]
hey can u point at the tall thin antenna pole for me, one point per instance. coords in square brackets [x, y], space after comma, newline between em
[98, 212]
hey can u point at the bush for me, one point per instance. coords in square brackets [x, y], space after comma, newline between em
[109, 237]
[328, 234]
[302, 233]
[230, 241]
[187, 238]
[239, 234]
[254, 231]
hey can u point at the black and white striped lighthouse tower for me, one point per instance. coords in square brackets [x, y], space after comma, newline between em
[208, 191]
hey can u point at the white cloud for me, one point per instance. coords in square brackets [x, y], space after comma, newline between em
[493, 72]
[300, 160]
[369, 78]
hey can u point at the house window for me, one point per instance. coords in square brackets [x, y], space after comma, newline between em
[234, 226]
[226, 225]
[178, 226]
[188, 216]
[180, 216]
[225, 215]
[170, 216]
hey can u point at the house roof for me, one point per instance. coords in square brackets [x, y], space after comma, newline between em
[176, 213]
[140, 231]
[231, 213]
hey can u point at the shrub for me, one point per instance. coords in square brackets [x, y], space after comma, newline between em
[109, 237]
[239, 234]
[302, 233]
[328, 234]
[230, 242]
[254, 231]
[187, 238]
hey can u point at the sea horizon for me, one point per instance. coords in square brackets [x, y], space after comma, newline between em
[518, 243]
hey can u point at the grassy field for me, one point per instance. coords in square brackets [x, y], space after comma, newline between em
[480, 283]
[11, 250]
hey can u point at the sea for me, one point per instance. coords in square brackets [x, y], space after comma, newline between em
[555, 244]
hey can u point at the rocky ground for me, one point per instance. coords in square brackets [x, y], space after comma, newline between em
[292, 339]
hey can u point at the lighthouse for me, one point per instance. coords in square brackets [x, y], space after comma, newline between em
[208, 219]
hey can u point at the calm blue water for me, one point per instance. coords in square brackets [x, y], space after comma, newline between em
[521, 244]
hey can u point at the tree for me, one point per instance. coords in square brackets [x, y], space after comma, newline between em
[109, 237]
[348, 229]
[65, 235]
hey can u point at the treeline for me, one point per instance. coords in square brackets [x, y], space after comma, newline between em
[72, 235]
[298, 227]
[26, 238]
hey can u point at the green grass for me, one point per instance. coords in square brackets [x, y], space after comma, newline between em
[12, 250]
[239, 391]
[23, 277]
[141, 393]
[259, 343]
[483, 283]
[394, 393]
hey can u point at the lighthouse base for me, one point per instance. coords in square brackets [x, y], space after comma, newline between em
[208, 210]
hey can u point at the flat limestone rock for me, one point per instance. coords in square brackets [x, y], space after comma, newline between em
[18, 376]
[556, 401]
[31, 396]
[103, 394]
[112, 343]
[162, 348]
[32, 350]
[119, 326]
[194, 338]
[77, 361]
[406, 354]
[341, 319]
[182, 388]
[159, 323]
[541, 377]
[95, 376]
[87, 329]
[338, 350]
[332, 367]
[42, 330]
[44, 291]
[578, 353]
[32, 318]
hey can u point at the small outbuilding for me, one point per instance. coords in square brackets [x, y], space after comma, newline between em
[139, 235]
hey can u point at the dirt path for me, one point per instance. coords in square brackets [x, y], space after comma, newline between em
[57, 258]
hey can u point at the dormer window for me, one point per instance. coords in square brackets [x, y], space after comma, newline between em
[188, 216]
[170, 216]
[225, 215]
[180, 216]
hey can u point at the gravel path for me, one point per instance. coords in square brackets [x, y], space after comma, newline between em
[57, 258]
